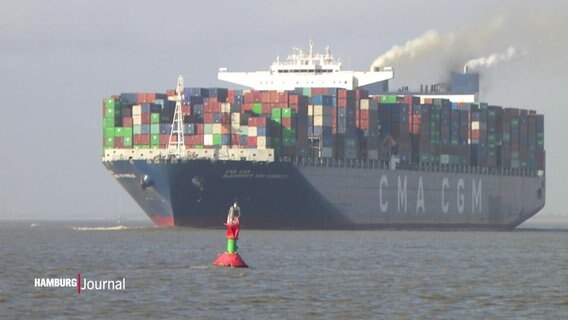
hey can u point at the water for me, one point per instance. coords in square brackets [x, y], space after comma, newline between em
[293, 274]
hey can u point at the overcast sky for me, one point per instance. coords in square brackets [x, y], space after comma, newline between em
[60, 58]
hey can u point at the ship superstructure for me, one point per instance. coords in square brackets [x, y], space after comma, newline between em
[305, 69]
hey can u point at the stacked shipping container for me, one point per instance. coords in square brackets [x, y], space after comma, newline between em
[332, 123]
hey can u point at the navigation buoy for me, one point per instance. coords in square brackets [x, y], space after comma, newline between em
[231, 258]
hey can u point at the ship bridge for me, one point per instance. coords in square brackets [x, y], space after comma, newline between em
[308, 70]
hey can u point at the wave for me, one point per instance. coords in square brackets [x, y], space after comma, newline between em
[114, 228]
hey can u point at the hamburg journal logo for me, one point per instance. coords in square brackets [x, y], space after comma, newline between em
[81, 284]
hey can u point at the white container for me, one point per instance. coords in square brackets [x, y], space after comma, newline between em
[136, 110]
[252, 132]
[208, 140]
[217, 128]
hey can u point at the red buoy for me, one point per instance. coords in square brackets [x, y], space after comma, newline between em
[230, 258]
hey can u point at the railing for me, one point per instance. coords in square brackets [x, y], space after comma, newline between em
[379, 164]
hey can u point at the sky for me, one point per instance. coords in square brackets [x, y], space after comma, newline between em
[60, 58]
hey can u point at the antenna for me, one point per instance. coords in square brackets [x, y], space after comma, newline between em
[177, 147]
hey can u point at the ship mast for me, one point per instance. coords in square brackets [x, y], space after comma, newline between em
[176, 144]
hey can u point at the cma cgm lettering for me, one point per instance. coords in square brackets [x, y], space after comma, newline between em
[453, 195]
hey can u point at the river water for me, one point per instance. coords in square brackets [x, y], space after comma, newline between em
[293, 275]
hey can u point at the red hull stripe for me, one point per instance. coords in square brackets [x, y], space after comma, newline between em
[162, 221]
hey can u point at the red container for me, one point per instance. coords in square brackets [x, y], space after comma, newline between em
[257, 121]
[265, 96]
[127, 122]
[246, 107]
[293, 99]
[235, 139]
[213, 100]
[474, 135]
[266, 109]
[287, 122]
[144, 139]
[282, 97]
[251, 141]
[150, 97]
[185, 110]
[164, 139]
[225, 118]
[140, 98]
[145, 118]
[208, 117]
[199, 128]
[273, 96]
[171, 92]
[118, 142]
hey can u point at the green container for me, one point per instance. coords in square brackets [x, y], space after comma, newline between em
[208, 128]
[141, 146]
[154, 118]
[216, 139]
[198, 146]
[127, 141]
[434, 159]
[155, 128]
[388, 99]
[109, 132]
[276, 141]
[288, 141]
[111, 103]
[108, 123]
[276, 114]
[154, 139]
[109, 142]
[286, 113]
[119, 132]
[307, 92]
[424, 158]
[137, 129]
[110, 112]
[257, 108]
[127, 132]
[288, 133]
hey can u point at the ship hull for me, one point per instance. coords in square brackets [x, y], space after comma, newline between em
[285, 195]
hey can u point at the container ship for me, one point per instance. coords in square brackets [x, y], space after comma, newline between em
[310, 146]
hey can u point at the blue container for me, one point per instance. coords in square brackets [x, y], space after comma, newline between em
[188, 128]
[200, 92]
[261, 131]
[216, 118]
[145, 107]
[195, 100]
[327, 141]
[225, 139]
[155, 107]
[220, 93]
[322, 100]
[129, 98]
[145, 129]
[165, 128]
[197, 109]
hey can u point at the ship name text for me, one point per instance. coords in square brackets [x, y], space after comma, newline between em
[452, 195]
